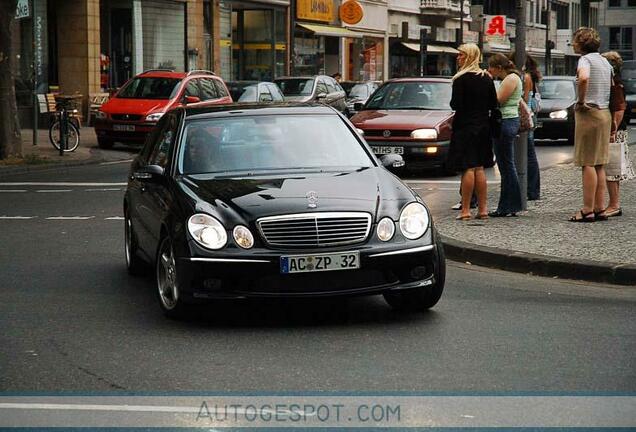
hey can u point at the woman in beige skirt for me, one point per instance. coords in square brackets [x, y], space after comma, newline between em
[592, 123]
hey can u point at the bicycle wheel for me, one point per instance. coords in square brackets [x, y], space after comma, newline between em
[72, 135]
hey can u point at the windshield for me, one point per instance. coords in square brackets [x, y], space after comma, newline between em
[412, 95]
[150, 88]
[252, 144]
[556, 89]
[296, 86]
[630, 86]
[360, 91]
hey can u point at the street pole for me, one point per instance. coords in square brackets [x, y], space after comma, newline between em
[548, 49]
[521, 148]
[423, 48]
[460, 37]
[35, 78]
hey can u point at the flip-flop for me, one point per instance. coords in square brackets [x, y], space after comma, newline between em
[463, 218]
[482, 216]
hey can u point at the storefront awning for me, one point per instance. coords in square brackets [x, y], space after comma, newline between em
[431, 48]
[323, 30]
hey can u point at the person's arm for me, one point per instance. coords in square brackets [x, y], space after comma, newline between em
[527, 86]
[583, 78]
[507, 87]
[457, 97]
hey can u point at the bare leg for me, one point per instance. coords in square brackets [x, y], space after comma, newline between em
[481, 189]
[599, 195]
[590, 181]
[468, 184]
[613, 188]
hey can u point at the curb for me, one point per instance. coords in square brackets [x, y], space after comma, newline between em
[55, 165]
[540, 265]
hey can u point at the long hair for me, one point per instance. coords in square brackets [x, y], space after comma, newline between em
[500, 60]
[471, 64]
[531, 67]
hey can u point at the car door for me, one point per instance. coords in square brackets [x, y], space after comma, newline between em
[191, 89]
[155, 196]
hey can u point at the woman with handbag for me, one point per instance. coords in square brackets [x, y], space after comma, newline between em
[509, 96]
[619, 167]
[470, 150]
[592, 123]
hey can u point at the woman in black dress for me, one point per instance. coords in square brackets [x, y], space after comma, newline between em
[474, 97]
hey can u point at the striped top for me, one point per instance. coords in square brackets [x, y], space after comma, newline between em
[600, 81]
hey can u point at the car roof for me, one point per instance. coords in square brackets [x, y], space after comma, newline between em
[420, 79]
[300, 77]
[162, 74]
[257, 108]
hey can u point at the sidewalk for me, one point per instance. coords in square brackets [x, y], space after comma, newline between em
[542, 241]
[44, 156]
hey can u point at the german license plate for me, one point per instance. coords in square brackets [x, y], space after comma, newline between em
[382, 150]
[321, 262]
[122, 127]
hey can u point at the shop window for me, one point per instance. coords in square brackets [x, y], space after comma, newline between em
[164, 29]
[614, 3]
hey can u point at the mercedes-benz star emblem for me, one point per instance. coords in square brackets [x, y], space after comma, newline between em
[386, 133]
[312, 199]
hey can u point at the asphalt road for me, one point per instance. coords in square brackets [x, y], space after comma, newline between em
[73, 320]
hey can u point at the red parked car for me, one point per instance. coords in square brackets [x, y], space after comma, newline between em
[411, 117]
[130, 115]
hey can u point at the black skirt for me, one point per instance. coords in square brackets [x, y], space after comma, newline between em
[471, 147]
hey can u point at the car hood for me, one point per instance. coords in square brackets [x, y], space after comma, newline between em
[549, 105]
[400, 119]
[243, 200]
[134, 106]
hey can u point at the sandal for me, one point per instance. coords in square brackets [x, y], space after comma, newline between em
[463, 218]
[585, 217]
[613, 213]
[497, 213]
[600, 215]
[482, 216]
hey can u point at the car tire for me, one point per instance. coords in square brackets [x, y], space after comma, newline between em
[167, 281]
[424, 298]
[104, 143]
[134, 264]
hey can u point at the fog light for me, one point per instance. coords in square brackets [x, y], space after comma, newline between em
[418, 272]
[243, 237]
[386, 229]
[431, 149]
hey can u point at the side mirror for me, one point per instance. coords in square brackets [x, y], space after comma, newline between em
[148, 172]
[321, 96]
[191, 99]
[358, 106]
[392, 161]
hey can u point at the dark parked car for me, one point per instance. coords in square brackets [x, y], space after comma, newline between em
[318, 88]
[410, 117]
[629, 81]
[275, 201]
[360, 93]
[254, 91]
[556, 114]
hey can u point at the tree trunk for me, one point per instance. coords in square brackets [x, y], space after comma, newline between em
[10, 136]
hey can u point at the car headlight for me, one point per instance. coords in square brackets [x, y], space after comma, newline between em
[154, 117]
[207, 231]
[243, 236]
[360, 131]
[414, 221]
[561, 114]
[101, 115]
[424, 134]
[386, 229]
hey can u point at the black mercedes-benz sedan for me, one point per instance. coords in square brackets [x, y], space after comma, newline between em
[287, 200]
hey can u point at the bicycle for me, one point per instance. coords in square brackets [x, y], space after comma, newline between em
[72, 129]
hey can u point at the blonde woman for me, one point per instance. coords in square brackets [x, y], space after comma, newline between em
[618, 135]
[473, 98]
[593, 122]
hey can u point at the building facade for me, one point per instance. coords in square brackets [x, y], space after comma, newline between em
[617, 24]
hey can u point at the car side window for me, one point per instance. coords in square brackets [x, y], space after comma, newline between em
[277, 95]
[152, 139]
[264, 94]
[331, 87]
[192, 89]
[220, 88]
[164, 142]
[321, 87]
[208, 89]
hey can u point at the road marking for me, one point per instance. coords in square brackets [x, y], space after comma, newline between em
[61, 184]
[102, 190]
[70, 217]
[114, 218]
[53, 190]
[18, 217]
[12, 190]
[117, 162]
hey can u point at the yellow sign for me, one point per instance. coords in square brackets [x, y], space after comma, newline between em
[351, 12]
[315, 10]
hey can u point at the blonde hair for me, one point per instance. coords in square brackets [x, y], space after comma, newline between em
[588, 39]
[471, 64]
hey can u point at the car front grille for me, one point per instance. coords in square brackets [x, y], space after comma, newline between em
[315, 229]
[389, 133]
[126, 117]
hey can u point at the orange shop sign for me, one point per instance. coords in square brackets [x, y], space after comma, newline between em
[315, 10]
[351, 12]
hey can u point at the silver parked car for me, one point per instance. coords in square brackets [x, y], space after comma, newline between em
[317, 88]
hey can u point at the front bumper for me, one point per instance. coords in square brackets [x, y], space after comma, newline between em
[106, 129]
[416, 153]
[554, 129]
[257, 274]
